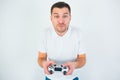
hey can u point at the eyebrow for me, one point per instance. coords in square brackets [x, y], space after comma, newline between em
[60, 13]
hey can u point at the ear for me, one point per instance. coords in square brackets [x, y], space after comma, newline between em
[70, 17]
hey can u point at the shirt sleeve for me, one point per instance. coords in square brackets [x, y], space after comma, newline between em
[42, 45]
[81, 42]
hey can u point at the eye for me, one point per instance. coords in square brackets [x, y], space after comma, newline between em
[56, 16]
[65, 16]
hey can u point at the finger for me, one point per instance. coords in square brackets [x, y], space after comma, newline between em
[47, 72]
[69, 72]
[47, 65]
[51, 63]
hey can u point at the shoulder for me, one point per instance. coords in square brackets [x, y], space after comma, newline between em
[75, 30]
[47, 31]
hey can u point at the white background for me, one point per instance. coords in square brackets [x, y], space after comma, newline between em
[21, 22]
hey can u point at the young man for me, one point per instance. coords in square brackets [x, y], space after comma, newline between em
[61, 45]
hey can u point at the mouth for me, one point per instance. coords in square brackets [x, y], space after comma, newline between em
[61, 25]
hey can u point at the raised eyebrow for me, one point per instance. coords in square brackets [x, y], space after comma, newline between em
[65, 13]
[55, 13]
[59, 13]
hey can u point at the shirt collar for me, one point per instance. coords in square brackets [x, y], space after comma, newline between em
[67, 34]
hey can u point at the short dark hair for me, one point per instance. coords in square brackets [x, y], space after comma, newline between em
[60, 5]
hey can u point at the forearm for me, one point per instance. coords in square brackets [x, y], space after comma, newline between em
[80, 61]
[42, 57]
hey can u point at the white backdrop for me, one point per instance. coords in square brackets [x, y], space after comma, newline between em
[21, 22]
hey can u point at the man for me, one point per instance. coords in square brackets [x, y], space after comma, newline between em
[61, 45]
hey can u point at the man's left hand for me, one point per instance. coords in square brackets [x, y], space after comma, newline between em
[71, 66]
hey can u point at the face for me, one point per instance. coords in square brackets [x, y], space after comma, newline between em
[60, 18]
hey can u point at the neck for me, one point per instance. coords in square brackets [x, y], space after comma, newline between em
[61, 33]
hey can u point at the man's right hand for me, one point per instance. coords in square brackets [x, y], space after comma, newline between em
[46, 64]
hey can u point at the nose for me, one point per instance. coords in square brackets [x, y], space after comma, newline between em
[61, 20]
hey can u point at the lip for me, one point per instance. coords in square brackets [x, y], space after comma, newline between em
[61, 25]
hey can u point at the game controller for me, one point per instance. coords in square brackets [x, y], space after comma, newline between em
[53, 68]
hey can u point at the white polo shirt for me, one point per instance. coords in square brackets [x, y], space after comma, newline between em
[61, 49]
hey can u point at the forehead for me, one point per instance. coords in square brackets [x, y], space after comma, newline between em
[63, 10]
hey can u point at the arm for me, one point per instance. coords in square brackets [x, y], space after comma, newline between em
[80, 61]
[42, 57]
[42, 61]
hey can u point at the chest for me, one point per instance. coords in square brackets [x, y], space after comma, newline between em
[62, 49]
